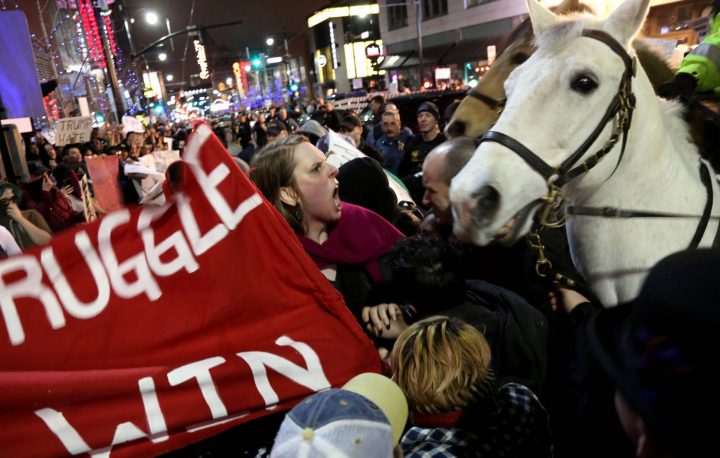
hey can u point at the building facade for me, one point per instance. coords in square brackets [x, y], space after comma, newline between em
[458, 38]
[455, 35]
[345, 44]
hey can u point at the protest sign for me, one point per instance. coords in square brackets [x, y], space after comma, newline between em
[340, 152]
[103, 171]
[153, 328]
[73, 130]
[131, 124]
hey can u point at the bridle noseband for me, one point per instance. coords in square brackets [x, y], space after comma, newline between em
[619, 109]
[495, 104]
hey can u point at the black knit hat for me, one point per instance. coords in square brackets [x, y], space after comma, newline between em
[661, 351]
[429, 107]
[363, 182]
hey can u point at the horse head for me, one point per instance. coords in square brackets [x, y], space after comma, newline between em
[479, 111]
[555, 101]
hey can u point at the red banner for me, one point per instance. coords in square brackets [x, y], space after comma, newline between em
[154, 328]
[103, 171]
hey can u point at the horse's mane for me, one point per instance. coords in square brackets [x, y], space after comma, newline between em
[521, 32]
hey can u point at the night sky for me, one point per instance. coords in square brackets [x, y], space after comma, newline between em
[261, 19]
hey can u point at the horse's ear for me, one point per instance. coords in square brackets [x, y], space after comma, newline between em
[626, 20]
[541, 17]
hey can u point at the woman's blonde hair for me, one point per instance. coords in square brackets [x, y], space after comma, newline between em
[442, 364]
[271, 169]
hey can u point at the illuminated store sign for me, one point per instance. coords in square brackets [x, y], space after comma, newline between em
[333, 51]
[201, 59]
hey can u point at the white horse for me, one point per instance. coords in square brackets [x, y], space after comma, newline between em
[556, 101]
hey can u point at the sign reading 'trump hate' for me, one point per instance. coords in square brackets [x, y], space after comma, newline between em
[73, 130]
[156, 327]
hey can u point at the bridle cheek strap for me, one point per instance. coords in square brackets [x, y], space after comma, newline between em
[622, 106]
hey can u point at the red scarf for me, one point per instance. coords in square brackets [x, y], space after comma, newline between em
[360, 237]
[437, 420]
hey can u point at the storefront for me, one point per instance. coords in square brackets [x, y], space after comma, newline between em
[346, 45]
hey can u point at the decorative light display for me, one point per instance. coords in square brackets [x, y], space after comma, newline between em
[51, 107]
[201, 59]
[92, 34]
[8, 6]
[110, 34]
[241, 76]
[81, 41]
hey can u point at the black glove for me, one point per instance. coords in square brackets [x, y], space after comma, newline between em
[681, 86]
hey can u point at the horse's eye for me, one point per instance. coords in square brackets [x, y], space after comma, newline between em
[583, 84]
[519, 57]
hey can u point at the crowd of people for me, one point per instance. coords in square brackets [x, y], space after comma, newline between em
[481, 357]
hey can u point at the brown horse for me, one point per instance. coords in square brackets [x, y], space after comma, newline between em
[482, 106]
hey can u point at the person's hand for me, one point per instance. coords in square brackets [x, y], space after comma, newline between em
[567, 299]
[14, 212]
[381, 315]
[67, 190]
[47, 183]
[384, 320]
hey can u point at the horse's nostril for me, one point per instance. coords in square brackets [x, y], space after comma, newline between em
[487, 200]
[455, 129]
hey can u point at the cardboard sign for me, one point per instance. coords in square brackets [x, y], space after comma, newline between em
[131, 124]
[153, 328]
[103, 171]
[73, 130]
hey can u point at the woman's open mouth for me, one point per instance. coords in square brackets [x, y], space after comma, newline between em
[336, 197]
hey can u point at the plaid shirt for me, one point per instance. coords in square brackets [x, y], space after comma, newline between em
[519, 429]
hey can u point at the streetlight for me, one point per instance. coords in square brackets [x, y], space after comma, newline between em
[151, 18]
[169, 78]
[270, 41]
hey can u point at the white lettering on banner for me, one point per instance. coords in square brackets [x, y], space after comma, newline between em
[313, 378]
[153, 252]
[30, 286]
[209, 182]
[62, 286]
[199, 243]
[137, 264]
[200, 370]
[155, 418]
[105, 267]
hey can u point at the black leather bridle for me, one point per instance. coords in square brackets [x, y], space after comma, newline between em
[620, 110]
[495, 104]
